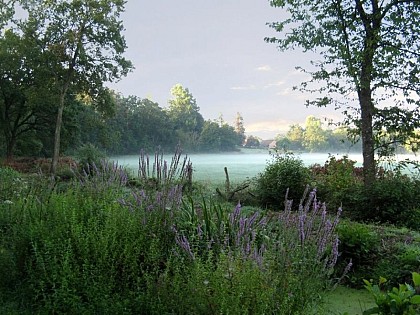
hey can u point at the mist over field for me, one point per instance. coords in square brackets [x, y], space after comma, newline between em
[241, 165]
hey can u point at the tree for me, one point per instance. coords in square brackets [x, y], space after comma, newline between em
[185, 116]
[210, 139]
[26, 104]
[239, 128]
[184, 111]
[139, 124]
[7, 11]
[229, 138]
[252, 142]
[296, 136]
[369, 53]
[314, 136]
[82, 46]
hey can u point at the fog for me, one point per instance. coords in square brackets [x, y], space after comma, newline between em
[241, 165]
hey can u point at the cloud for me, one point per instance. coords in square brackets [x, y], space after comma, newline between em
[268, 128]
[264, 68]
[274, 84]
[243, 88]
[286, 91]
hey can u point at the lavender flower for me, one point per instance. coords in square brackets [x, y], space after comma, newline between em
[182, 241]
[235, 215]
[334, 253]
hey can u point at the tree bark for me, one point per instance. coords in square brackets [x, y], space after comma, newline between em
[368, 146]
[372, 25]
[10, 147]
[57, 134]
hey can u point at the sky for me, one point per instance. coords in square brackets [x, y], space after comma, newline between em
[216, 49]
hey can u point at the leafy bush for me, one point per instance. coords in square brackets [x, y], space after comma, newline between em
[378, 251]
[359, 243]
[392, 199]
[357, 240]
[285, 257]
[88, 155]
[285, 174]
[337, 181]
[401, 301]
[10, 184]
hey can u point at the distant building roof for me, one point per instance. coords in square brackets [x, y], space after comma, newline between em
[271, 144]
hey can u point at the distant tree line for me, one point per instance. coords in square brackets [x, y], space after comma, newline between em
[313, 137]
[121, 125]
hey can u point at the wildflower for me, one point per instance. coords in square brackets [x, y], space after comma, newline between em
[335, 253]
[182, 241]
[8, 202]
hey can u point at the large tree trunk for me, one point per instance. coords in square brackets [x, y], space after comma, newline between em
[372, 26]
[368, 146]
[57, 134]
[10, 147]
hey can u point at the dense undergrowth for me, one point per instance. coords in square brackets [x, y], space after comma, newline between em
[96, 245]
[381, 227]
[101, 242]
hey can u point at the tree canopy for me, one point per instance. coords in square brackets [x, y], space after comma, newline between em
[81, 46]
[369, 63]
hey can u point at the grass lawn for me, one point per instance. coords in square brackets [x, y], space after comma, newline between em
[352, 301]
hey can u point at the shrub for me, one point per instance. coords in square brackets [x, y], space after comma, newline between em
[337, 181]
[401, 301]
[378, 251]
[285, 257]
[360, 243]
[392, 199]
[285, 174]
[10, 184]
[89, 155]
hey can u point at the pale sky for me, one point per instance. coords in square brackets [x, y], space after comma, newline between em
[216, 49]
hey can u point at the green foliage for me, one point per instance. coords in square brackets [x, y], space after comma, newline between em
[288, 257]
[285, 174]
[97, 246]
[12, 185]
[401, 300]
[216, 138]
[314, 135]
[315, 138]
[239, 129]
[89, 156]
[252, 142]
[233, 286]
[184, 111]
[80, 46]
[358, 241]
[378, 251]
[360, 244]
[337, 181]
[138, 123]
[26, 100]
[393, 199]
[364, 46]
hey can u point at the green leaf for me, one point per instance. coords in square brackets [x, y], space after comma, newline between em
[415, 299]
[416, 279]
[373, 310]
[382, 280]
